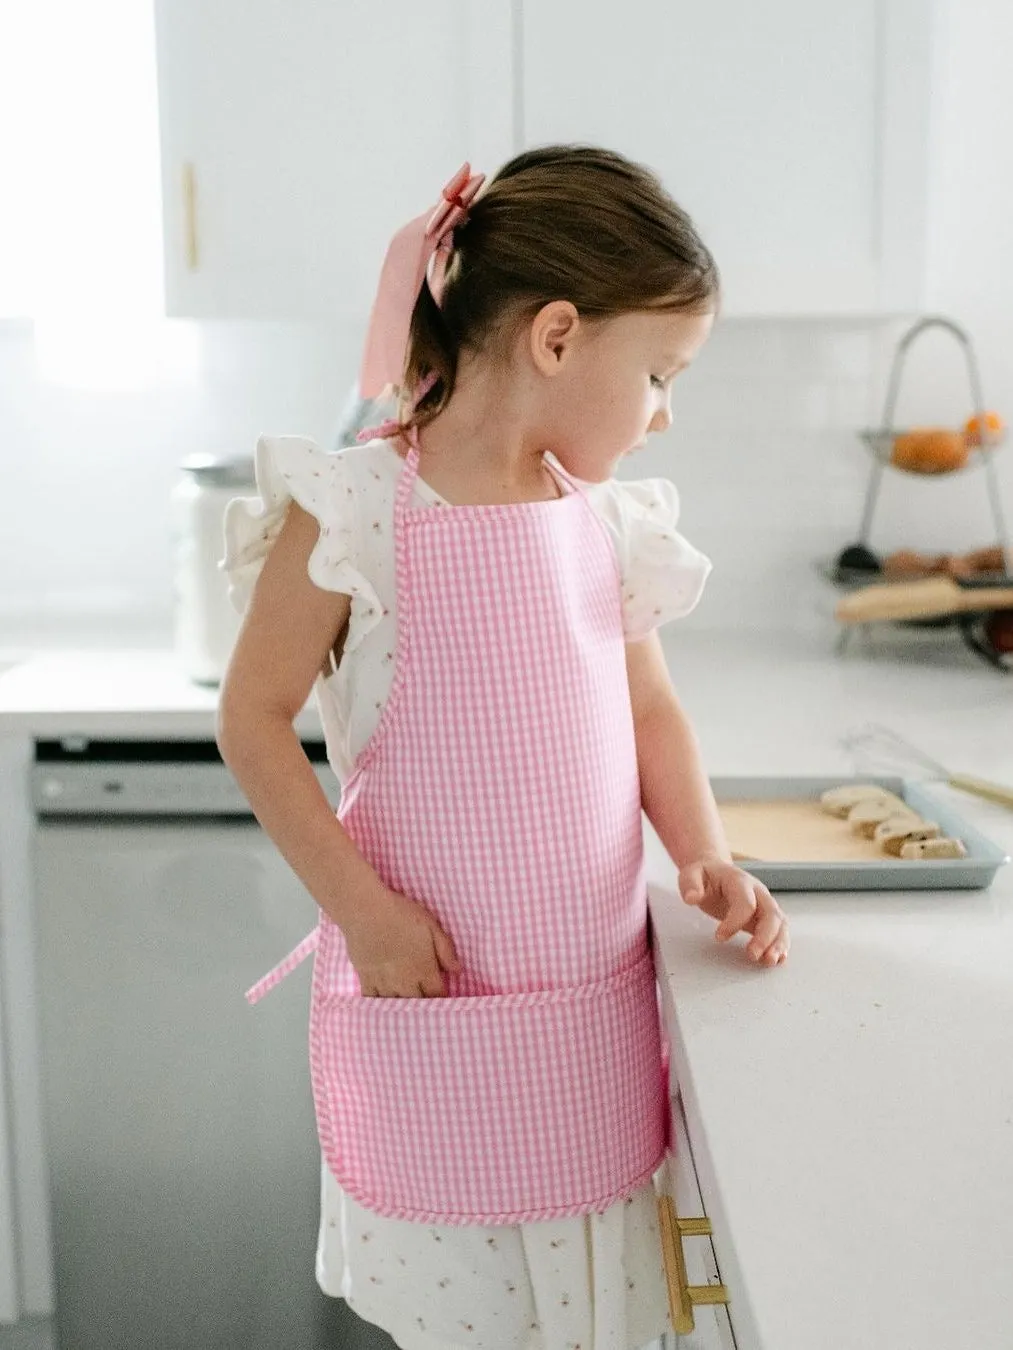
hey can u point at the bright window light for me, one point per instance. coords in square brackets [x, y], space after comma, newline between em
[81, 230]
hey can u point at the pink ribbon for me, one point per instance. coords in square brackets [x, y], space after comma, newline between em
[391, 426]
[404, 270]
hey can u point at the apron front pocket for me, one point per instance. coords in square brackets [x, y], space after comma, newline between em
[498, 1108]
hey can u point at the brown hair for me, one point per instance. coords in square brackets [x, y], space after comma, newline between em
[570, 222]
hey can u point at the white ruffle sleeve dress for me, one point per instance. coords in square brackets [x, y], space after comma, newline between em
[591, 1282]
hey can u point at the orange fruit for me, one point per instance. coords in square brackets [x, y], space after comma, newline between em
[929, 450]
[994, 426]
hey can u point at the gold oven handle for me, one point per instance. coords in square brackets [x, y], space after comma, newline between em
[682, 1296]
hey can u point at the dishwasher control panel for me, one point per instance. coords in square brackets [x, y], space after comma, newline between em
[85, 776]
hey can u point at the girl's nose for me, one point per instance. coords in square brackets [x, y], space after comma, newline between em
[662, 418]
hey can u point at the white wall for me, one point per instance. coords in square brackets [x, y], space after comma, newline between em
[763, 447]
[85, 534]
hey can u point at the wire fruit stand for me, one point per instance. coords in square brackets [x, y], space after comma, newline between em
[938, 452]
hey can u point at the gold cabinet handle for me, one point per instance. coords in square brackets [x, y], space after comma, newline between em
[682, 1296]
[190, 217]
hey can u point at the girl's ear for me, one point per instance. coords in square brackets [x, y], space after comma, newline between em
[553, 334]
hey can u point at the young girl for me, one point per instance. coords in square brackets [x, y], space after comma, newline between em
[474, 600]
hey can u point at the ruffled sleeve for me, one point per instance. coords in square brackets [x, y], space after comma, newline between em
[663, 575]
[291, 468]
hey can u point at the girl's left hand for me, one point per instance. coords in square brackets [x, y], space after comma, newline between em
[739, 901]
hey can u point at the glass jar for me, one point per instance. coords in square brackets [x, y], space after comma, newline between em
[205, 623]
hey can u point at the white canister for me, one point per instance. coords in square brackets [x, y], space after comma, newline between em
[206, 625]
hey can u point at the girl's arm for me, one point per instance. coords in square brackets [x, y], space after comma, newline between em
[287, 632]
[675, 790]
[677, 797]
[397, 947]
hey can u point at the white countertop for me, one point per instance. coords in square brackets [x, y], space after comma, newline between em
[132, 694]
[851, 1113]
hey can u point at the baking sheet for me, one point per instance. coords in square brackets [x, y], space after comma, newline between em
[799, 847]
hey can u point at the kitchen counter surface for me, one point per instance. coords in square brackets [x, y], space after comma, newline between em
[851, 1113]
[142, 693]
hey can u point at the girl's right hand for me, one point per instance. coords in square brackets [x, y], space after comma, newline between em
[398, 949]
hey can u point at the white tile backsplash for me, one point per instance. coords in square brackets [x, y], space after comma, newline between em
[85, 538]
[763, 449]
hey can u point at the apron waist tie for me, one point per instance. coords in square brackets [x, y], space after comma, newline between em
[284, 967]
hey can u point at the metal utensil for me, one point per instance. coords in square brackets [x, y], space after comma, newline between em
[876, 746]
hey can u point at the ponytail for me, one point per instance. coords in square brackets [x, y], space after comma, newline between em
[432, 350]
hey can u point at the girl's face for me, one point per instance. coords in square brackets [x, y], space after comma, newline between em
[612, 382]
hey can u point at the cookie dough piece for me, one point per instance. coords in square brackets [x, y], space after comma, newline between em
[916, 849]
[839, 801]
[864, 817]
[897, 831]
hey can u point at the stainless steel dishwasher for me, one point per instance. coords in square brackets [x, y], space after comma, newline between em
[184, 1169]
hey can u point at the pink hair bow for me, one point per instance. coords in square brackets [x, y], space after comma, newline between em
[404, 270]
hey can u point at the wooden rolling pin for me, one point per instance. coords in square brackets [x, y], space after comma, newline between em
[929, 599]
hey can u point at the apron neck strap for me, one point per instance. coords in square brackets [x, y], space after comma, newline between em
[408, 474]
[406, 478]
[556, 468]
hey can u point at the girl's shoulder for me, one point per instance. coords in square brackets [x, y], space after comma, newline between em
[627, 505]
[340, 488]
[375, 461]
[308, 467]
[631, 507]
[663, 574]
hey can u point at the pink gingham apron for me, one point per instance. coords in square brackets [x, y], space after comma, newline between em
[500, 790]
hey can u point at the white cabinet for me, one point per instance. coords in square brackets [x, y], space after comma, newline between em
[795, 134]
[298, 135]
[712, 1329]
